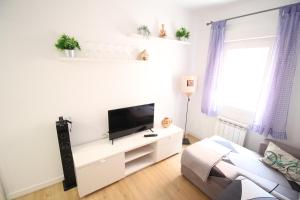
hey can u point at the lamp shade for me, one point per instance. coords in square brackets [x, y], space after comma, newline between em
[188, 85]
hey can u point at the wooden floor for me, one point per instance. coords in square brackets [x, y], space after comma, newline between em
[161, 181]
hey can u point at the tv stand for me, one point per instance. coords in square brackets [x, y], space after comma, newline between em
[98, 164]
[151, 130]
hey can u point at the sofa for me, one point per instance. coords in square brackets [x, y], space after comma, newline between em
[244, 162]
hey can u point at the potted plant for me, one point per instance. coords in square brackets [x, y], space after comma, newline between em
[182, 34]
[67, 44]
[143, 30]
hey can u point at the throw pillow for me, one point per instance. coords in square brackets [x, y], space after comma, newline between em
[284, 162]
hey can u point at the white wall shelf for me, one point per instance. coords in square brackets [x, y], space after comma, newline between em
[137, 153]
[158, 39]
[83, 59]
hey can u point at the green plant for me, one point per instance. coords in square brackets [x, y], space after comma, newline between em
[182, 33]
[143, 30]
[67, 42]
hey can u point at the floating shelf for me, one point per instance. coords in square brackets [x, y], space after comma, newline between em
[160, 39]
[137, 153]
[82, 59]
[137, 164]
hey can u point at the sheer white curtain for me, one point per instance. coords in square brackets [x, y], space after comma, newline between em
[272, 113]
[246, 51]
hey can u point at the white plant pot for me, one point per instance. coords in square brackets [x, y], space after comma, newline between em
[70, 53]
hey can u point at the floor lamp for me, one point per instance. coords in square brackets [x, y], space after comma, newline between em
[188, 88]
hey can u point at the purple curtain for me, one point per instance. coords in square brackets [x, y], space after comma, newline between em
[272, 112]
[215, 51]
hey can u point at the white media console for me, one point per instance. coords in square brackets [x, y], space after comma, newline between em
[99, 163]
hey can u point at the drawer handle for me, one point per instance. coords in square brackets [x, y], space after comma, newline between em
[102, 161]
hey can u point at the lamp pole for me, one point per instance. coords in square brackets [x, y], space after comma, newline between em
[189, 84]
[185, 140]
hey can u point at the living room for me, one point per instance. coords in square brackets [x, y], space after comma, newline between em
[128, 54]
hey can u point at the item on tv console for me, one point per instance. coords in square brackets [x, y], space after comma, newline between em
[150, 135]
[166, 122]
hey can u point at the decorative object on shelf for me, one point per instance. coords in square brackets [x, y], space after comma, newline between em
[144, 31]
[67, 44]
[162, 32]
[182, 34]
[188, 88]
[166, 122]
[143, 55]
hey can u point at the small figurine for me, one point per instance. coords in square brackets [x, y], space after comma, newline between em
[143, 55]
[166, 122]
[162, 32]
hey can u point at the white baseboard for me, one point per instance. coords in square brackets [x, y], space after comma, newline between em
[34, 188]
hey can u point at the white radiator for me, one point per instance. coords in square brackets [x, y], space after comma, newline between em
[231, 130]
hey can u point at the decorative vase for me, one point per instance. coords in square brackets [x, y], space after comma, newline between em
[70, 53]
[162, 32]
[166, 122]
[182, 39]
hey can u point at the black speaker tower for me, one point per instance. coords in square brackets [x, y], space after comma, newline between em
[63, 128]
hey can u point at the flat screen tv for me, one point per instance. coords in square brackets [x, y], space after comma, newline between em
[125, 121]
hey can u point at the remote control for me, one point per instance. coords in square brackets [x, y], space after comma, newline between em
[150, 135]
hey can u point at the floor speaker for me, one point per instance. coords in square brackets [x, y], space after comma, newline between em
[63, 128]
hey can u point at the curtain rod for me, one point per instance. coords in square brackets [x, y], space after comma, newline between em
[254, 13]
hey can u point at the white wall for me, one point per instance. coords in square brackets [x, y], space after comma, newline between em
[202, 125]
[36, 87]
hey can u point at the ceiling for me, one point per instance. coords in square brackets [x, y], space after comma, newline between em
[195, 4]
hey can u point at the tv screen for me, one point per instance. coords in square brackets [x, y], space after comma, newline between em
[125, 121]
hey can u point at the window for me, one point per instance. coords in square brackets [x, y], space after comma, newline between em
[242, 76]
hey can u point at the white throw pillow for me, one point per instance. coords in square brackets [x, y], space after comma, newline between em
[284, 162]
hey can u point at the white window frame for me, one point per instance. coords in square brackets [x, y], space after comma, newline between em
[236, 114]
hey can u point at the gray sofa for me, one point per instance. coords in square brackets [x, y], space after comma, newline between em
[220, 178]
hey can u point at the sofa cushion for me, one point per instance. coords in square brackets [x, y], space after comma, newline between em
[243, 189]
[290, 149]
[284, 162]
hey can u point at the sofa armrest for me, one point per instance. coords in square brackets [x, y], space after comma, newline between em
[262, 148]
[291, 150]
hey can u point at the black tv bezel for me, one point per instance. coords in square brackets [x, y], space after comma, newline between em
[125, 132]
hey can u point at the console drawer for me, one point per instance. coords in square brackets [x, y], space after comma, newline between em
[100, 174]
[169, 146]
